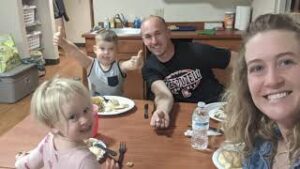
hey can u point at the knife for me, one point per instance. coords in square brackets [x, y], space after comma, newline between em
[146, 111]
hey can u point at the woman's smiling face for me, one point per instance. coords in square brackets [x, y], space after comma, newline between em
[273, 71]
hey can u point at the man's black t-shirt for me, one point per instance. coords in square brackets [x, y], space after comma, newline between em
[189, 74]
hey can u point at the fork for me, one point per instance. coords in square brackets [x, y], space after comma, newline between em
[105, 99]
[122, 150]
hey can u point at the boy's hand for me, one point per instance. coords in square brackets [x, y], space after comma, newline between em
[137, 61]
[58, 37]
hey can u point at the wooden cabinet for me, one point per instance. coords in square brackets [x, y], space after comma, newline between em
[232, 44]
[134, 84]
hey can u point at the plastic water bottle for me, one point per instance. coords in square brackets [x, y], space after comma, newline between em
[200, 125]
[106, 23]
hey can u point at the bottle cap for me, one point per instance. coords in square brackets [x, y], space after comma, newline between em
[201, 104]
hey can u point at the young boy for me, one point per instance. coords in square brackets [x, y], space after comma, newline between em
[105, 74]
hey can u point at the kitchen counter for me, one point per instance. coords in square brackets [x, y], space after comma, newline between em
[186, 35]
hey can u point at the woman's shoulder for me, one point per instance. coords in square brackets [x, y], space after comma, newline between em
[259, 157]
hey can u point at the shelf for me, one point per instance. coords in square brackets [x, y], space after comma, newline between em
[36, 23]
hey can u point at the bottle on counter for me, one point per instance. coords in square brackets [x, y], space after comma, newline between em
[229, 20]
[137, 22]
[200, 125]
[106, 23]
[112, 22]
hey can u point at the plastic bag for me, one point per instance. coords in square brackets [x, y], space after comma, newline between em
[9, 57]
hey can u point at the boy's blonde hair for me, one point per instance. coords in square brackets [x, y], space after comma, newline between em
[51, 95]
[107, 35]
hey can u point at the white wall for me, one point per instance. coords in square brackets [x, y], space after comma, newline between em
[174, 10]
[80, 19]
[269, 6]
[12, 22]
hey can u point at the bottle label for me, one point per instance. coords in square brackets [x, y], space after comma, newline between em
[200, 125]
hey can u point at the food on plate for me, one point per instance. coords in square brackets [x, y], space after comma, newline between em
[92, 144]
[230, 159]
[99, 101]
[220, 113]
[108, 105]
[114, 104]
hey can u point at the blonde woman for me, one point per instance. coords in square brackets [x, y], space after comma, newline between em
[264, 96]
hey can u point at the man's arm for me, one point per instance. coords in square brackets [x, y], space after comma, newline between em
[164, 103]
[71, 49]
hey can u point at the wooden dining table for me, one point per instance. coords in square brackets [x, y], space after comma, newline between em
[146, 147]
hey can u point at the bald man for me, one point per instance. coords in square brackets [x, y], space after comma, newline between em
[179, 71]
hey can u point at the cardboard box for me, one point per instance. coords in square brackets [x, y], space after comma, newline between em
[18, 82]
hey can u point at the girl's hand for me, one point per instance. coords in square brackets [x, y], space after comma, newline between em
[21, 154]
[110, 164]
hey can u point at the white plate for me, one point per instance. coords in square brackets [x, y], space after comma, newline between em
[212, 114]
[215, 159]
[216, 154]
[122, 100]
[215, 105]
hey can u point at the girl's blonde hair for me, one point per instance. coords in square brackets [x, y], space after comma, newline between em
[245, 121]
[51, 95]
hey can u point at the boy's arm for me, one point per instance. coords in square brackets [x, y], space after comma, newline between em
[71, 49]
[134, 63]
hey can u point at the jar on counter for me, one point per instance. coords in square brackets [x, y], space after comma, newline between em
[112, 22]
[229, 20]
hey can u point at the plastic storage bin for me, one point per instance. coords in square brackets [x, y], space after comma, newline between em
[18, 82]
[33, 40]
[29, 14]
